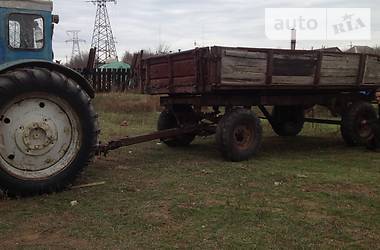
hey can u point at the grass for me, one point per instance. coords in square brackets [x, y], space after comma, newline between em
[305, 192]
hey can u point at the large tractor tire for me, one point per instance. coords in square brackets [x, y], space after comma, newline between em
[288, 120]
[355, 128]
[48, 131]
[175, 117]
[239, 135]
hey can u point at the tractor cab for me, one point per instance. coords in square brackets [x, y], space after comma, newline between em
[26, 30]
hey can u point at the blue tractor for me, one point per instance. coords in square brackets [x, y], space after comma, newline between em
[48, 127]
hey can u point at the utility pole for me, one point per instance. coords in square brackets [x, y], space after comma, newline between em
[102, 38]
[74, 39]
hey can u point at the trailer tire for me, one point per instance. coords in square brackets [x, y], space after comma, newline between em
[54, 131]
[355, 128]
[288, 120]
[239, 135]
[175, 117]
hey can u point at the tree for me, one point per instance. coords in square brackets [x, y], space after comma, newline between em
[163, 49]
[127, 57]
[79, 61]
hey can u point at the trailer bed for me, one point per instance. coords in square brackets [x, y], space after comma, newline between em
[226, 69]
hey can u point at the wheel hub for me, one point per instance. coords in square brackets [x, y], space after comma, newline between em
[364, 128]
[39, 136]
[243, 136]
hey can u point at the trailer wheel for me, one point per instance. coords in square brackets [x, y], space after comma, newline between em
[177, 116]
[355, 128]
[48, 131]
[239, 135]
[288, 120]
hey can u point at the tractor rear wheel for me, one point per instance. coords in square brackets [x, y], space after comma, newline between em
[48, 131]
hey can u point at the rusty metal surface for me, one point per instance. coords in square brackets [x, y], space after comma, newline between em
[128, 141]
[201, 129]
[261, 98]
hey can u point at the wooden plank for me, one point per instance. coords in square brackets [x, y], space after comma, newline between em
[372, 80]
[171, 76]
[362, 69]
[318, 69]
[147, 75]
[269, 73]
[159, 70]
[339, 72]
[338, 80]
[242, 68]
[340, 62]
[159, 83]
[243, 82]
[312, 56]
[108, 79]
[372, 73]
[184, 68]
[245, 54]
[185, 90]
[248, 77]
[250, 65]
[340, 57]
[184, 81]
[293, 80]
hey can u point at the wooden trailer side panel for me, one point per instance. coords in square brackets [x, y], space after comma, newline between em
[340, 69]
[260, 67]
[372, 70]
[257, 68]
[243, 68]
[294, 69]
[207, 70]
[172, 73]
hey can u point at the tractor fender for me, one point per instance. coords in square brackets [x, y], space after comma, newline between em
[78, 78]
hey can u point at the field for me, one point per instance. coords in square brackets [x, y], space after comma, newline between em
[305, 192]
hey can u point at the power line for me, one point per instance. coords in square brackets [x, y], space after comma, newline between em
[102, 38]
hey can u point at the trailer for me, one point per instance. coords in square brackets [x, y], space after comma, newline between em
[208, 91]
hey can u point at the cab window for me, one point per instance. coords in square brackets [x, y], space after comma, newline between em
[26, 31]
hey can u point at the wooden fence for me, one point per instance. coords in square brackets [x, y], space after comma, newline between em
[107, 80]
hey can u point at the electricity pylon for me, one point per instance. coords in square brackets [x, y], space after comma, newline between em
[102, 38]
[74, 35]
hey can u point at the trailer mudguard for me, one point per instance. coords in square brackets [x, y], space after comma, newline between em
[78, 78]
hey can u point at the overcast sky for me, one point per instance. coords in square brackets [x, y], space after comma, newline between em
[144, 24]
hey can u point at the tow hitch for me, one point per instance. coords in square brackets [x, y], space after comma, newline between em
[104, 149]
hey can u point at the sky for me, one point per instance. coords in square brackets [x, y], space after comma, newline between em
[181, 24]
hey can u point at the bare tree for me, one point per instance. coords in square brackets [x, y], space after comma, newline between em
[79, 61]
[163, 49]
[127, 57]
